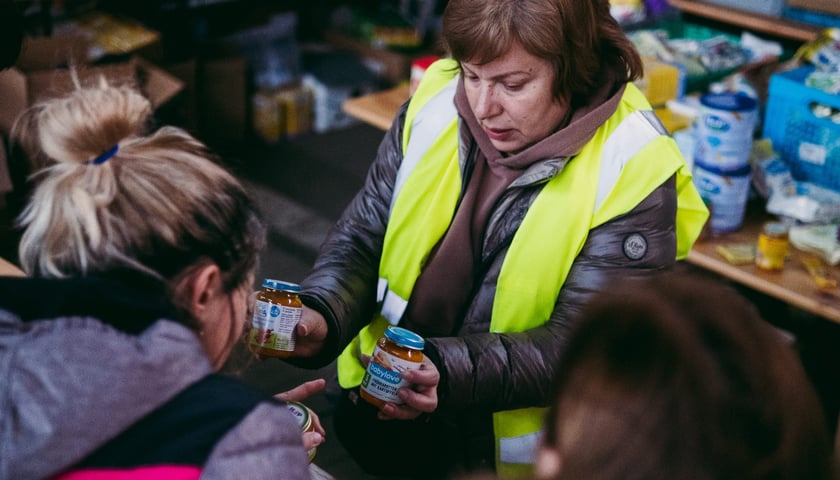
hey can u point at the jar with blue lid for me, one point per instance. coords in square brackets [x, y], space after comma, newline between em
[397, 351]
[277, 312]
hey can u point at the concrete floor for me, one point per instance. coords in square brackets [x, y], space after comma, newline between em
[303, 185]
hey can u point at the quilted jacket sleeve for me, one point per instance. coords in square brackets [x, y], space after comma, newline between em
[342, 283]
[513, 370]
[266, 444]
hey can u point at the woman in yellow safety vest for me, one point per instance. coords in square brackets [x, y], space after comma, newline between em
[525, 174]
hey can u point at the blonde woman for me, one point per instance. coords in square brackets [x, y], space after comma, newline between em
[140, 252]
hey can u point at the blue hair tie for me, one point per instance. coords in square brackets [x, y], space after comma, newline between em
[105, 156]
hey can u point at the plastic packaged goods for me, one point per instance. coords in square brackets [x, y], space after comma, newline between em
[806, 202]
[728, 192]
[820, 240]
[725, 130]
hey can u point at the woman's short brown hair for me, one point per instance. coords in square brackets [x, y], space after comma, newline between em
[579, 37]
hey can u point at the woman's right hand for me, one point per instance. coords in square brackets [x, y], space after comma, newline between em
[311, 330]
[311, 333]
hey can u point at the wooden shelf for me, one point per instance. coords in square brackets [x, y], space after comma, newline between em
[792, 285]
[756, 22]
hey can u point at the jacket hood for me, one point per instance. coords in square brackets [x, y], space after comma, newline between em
[127, 300]
[84, 358]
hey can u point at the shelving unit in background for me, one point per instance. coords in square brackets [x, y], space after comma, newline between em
[779, 27]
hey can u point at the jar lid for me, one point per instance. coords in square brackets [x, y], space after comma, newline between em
[729, 101]
[775, 228]
[300, 413]
[280, 285]
[405, 337]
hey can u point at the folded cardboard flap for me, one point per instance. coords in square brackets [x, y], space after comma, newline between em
[48, 84]
[156, 83]
[46, 53]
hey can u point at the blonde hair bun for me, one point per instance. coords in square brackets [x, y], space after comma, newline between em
[82, 126]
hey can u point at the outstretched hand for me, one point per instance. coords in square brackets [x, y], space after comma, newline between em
[302, 391]
[310, 332]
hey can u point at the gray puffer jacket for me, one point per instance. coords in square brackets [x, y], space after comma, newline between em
[95, 377]
[482, 371]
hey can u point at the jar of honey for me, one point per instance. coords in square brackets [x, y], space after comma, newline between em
[304, 418]
[276, 314]
[772, 246]
[397, 351]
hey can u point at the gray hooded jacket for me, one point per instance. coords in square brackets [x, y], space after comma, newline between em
[82, 360]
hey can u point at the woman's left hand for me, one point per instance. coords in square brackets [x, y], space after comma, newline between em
[298, 394]
[420, 397]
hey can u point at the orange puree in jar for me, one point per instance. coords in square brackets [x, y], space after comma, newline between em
[276, 314]
[397, 351]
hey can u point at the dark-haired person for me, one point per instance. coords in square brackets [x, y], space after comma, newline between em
[525, 174]
[140, 252]
[679, 377]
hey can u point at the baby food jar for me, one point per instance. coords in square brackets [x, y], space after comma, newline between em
[772, 246]
[276, 314]
[304, 418]
[397, 351]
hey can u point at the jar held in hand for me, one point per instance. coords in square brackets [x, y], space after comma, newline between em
[276, 314]
[397, 351]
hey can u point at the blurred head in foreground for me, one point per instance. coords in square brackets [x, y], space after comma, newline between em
[679, 377]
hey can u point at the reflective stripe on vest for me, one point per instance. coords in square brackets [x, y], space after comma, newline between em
[600, 183]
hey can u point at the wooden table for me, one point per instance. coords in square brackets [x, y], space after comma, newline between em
[377, 109]
[792, 285]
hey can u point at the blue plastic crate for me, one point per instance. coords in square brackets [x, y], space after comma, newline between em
[809, 143]
[814, 18]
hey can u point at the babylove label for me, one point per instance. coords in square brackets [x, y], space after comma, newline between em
[275, 324]
[383, 381]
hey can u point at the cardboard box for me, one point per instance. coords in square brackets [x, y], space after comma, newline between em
[825, 6]
[214, 102]
[223, 99]
[42, 72]
[5, 176]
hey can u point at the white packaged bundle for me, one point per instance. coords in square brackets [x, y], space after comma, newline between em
[818, 239]
[806, 202]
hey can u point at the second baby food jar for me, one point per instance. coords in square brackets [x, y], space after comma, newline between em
[397, 351]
